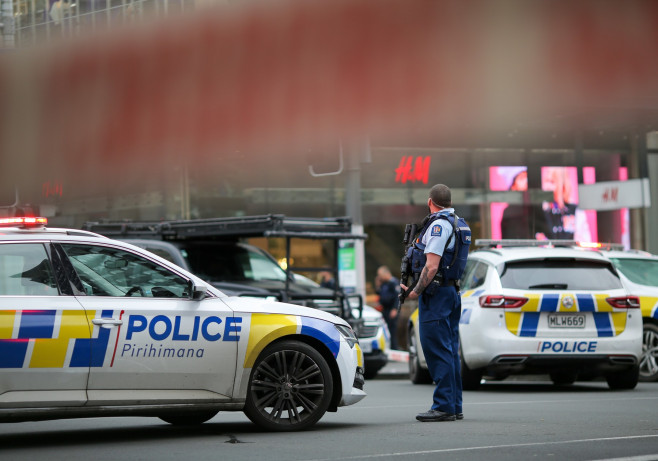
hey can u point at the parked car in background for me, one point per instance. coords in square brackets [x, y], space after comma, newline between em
[639, 273]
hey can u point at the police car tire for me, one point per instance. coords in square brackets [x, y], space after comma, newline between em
[417, 374]
[470, 378]
[649, 358]
[624, 380]
[290, 387]
[189, 418]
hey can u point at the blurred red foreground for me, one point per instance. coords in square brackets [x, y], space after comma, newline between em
[274, 77]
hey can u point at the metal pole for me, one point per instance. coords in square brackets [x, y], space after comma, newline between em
[356, 152]
[638, 169]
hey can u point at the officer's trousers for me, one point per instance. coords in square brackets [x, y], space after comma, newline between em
[439, 336]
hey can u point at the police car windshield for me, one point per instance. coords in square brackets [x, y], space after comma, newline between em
[232, 263]
[640, 271]
[559, 274]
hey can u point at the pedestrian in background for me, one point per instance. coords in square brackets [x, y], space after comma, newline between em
[388, 289]
[442, 249]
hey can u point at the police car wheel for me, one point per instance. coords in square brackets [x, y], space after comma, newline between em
[624, 380]
[290, 387]
[563, 378]
[188, 418]
[417, 374]
[649, 359]
[470, 378]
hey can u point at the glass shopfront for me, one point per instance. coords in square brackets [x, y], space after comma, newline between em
[501, 192]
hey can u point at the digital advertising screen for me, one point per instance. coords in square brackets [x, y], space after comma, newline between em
[559, 218]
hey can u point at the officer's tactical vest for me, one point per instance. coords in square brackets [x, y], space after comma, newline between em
[453, 260]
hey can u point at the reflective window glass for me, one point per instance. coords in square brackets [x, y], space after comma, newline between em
[558, 274]
[106, 271]
[25, 270]
[640, 271]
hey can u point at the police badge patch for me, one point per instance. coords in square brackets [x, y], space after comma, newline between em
[436, 230]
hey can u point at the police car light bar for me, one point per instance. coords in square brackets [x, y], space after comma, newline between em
[23, 221]
[524, 243]
[601, 246]
[491, 243]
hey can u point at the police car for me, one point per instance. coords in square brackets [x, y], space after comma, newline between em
[211, 248]
[91, 326]
[533, 307]
[639, 272]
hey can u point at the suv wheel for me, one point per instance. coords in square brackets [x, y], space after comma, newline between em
[649, 359]
[626, 379]
[290, 387]
[470, 378]
[417, 374]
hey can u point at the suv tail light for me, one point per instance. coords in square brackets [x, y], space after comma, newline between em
[506, 302]
[624, 302]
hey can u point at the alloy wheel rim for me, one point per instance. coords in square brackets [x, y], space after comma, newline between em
[288, 387]
[649, 359]
[412, 353]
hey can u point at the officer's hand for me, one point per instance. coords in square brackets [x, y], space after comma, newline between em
[412, 294]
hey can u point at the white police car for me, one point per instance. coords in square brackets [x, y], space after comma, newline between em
[639, 272]
[533, 307]
[90, 326]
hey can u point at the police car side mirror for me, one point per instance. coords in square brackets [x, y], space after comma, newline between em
[198, 291]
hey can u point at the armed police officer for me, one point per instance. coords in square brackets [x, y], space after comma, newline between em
[438, 257]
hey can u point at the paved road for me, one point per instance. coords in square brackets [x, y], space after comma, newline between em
[517, 420]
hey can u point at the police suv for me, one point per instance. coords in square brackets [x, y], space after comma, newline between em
[91, 326]
[535, 307]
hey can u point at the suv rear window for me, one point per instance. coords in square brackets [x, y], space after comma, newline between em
[559, 274]
[232, 263]
[641, 271]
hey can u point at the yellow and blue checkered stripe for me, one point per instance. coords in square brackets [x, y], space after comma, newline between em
[524, 321]
[266, 328]
[50, 339]
[649, 306]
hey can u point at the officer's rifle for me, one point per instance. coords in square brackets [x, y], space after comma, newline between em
[410, 231]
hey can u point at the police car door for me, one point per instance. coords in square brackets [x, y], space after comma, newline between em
[162, 345]
[44, 334]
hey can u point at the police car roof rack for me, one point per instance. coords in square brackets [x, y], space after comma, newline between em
[234, 228]
[507, 243]
[271, 225]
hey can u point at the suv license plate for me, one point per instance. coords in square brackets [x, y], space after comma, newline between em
[566, 320]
